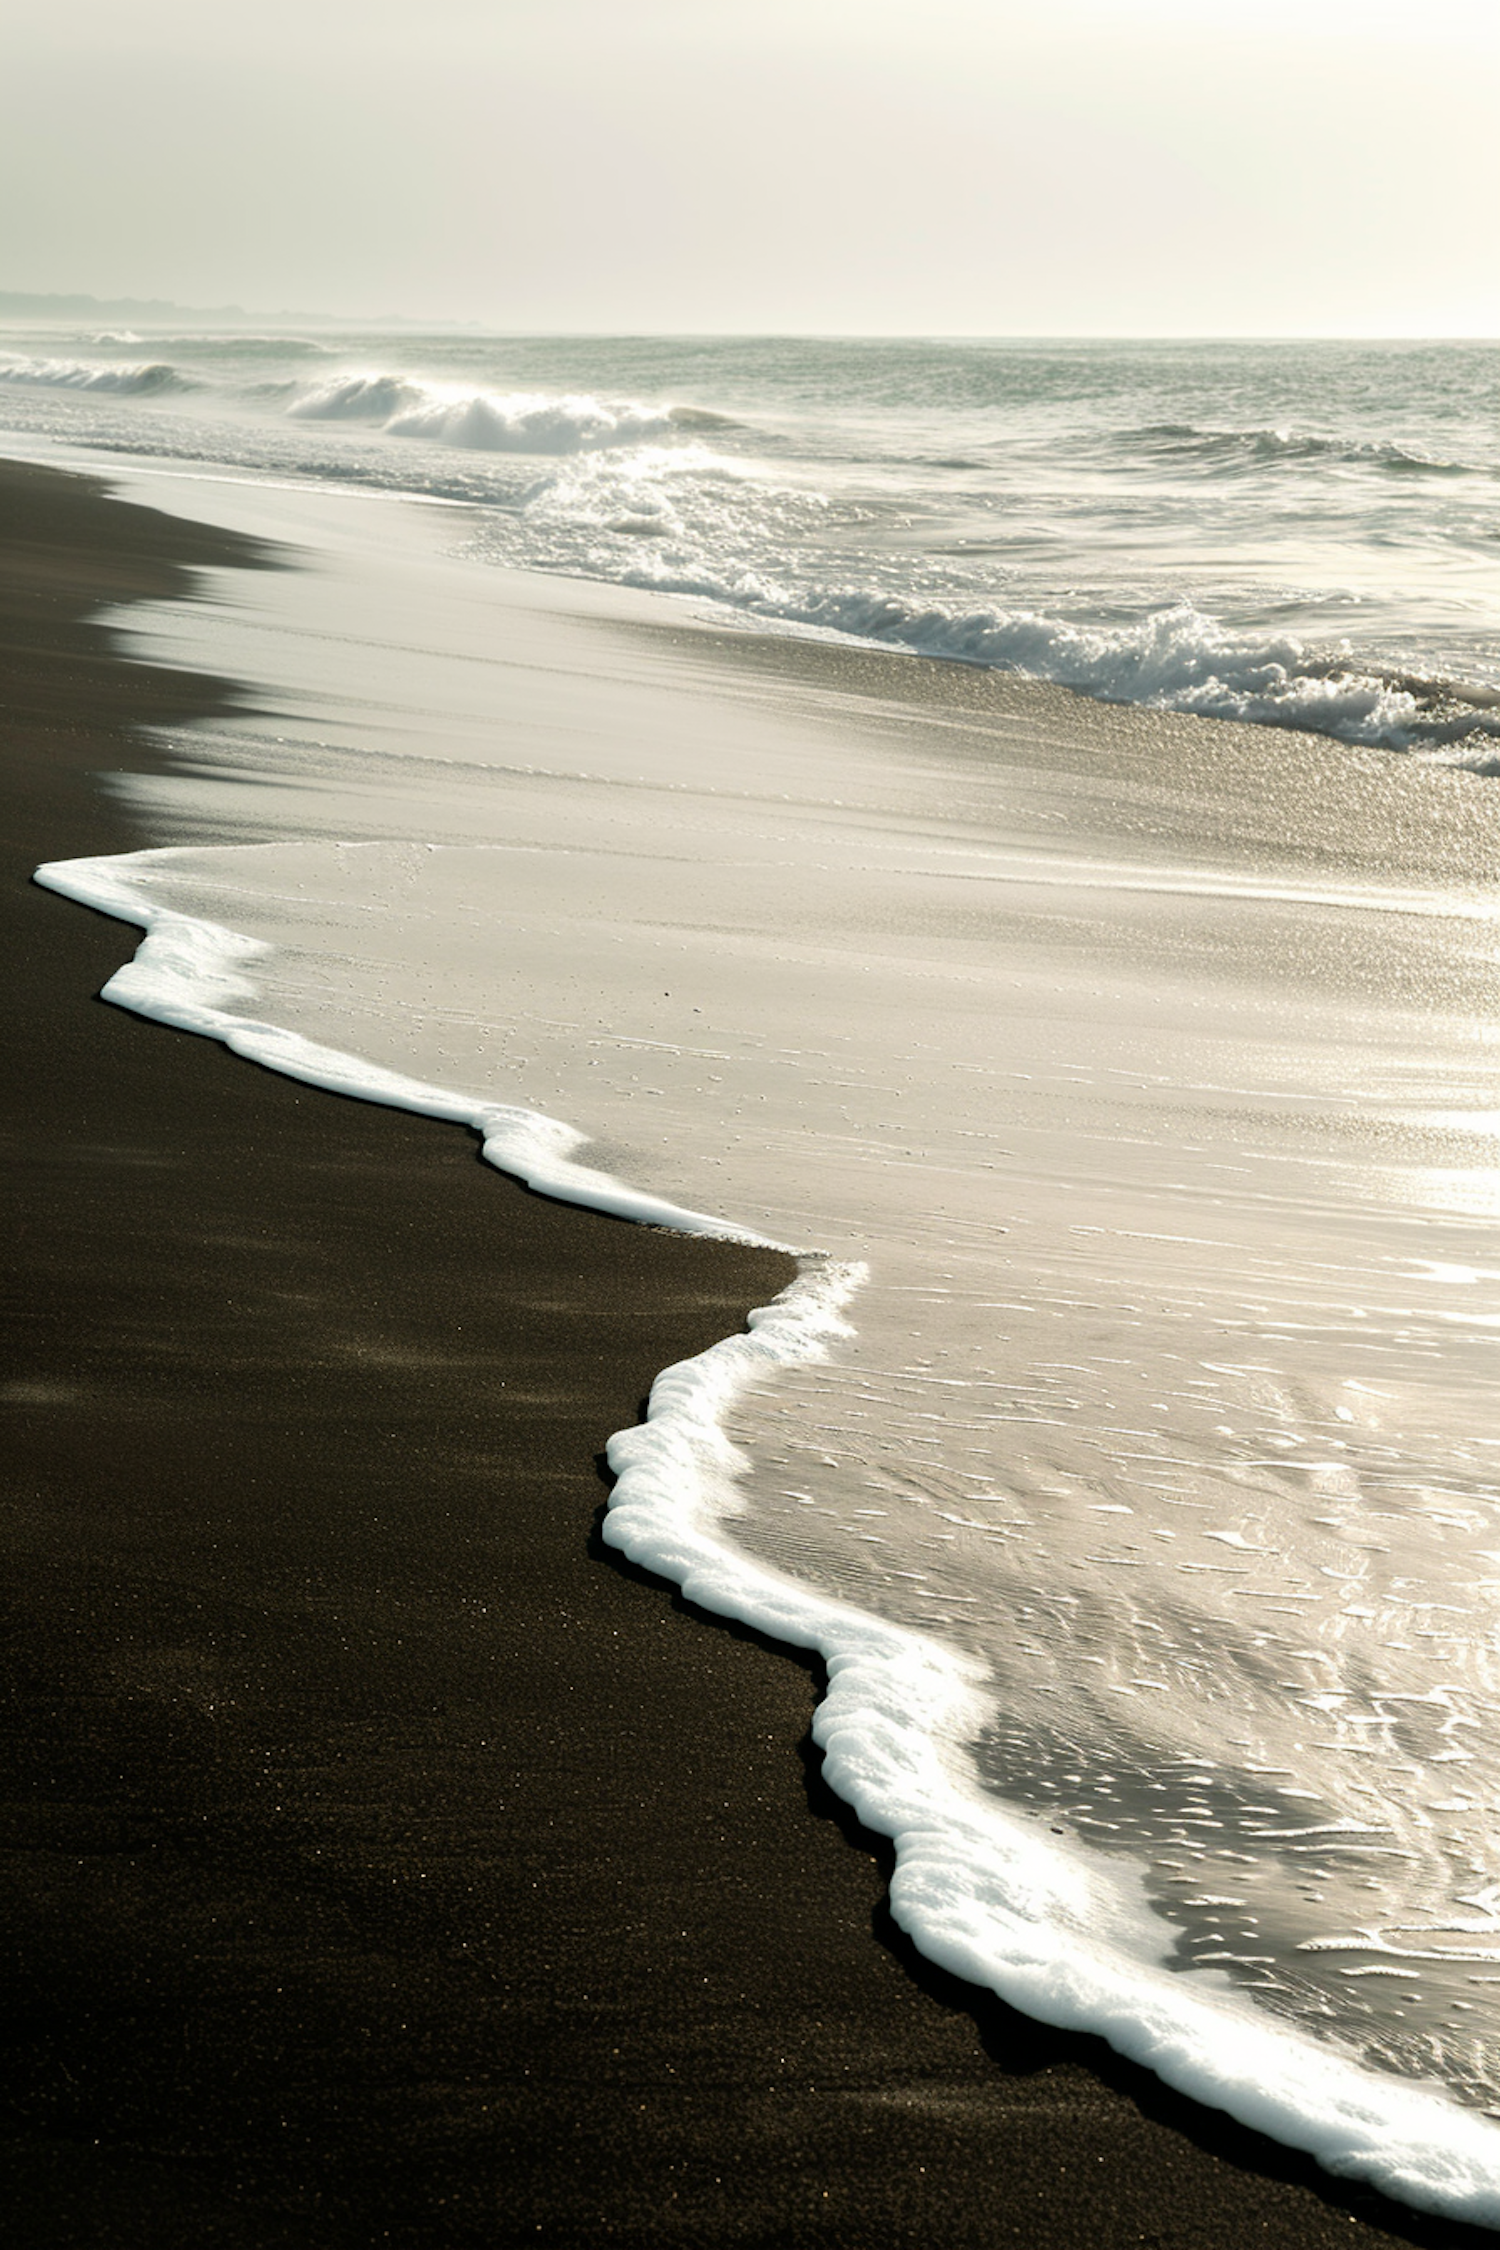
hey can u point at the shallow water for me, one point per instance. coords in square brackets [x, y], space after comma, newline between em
[1149, 1067]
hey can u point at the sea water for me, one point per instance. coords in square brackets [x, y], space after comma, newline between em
[1127, 1083]
[1298, 533]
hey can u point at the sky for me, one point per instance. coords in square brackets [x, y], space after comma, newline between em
[955, 167]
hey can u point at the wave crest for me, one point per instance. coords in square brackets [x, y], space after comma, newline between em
[142, 379]
[493, 421]
[353, 398]
[1254, 448]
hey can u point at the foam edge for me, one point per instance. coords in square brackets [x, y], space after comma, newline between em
[981, 1892]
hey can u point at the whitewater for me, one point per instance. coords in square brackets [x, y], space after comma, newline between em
[1121, 1068]
[1295, 534]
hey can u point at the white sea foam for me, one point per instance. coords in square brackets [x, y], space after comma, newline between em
[1056, 1928]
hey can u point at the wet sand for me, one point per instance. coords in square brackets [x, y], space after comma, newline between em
[385, 1862]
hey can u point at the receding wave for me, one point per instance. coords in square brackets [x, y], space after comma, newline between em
[138, 379]
[494, 421]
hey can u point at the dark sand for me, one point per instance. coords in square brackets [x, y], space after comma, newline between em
[384, 1861]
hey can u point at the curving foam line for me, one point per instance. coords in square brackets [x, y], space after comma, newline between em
[1053, 1929]
[981, 1892]
[187, 971]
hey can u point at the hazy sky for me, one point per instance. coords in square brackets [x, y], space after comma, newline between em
[1143, 167]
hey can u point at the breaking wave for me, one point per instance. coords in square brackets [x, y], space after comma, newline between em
[1175, 659]
[141, 379]
[957, 531]
[493, 421]
[682, 519]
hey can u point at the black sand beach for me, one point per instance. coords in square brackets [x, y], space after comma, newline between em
[384, 1861]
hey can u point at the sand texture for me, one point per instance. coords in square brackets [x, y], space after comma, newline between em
[384, 1861]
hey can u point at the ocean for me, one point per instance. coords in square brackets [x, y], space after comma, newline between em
[1296, 534]
[1014, 824]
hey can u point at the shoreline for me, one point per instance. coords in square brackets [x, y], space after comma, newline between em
[355, 1902]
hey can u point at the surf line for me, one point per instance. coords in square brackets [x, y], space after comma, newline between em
[981, 1891]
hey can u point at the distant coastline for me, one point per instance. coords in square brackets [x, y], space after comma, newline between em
[23, 304]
